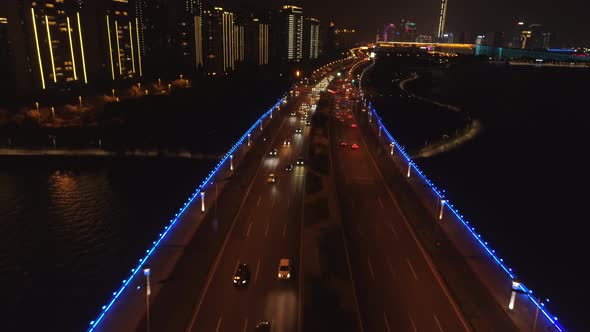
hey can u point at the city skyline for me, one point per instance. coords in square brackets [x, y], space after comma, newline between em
[462, 16]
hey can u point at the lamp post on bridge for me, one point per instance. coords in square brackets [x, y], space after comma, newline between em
[148, 291]
[202, 201]
[515, 289]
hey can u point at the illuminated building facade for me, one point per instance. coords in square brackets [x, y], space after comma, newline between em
[292, 33]
[223, 41]
[55, 33]
[442, 19]
[407, 31]
[124, 55]
[388, 32]
[345, 38]
[311, 38]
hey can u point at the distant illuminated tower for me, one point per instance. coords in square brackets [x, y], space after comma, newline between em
[443, 17]
[389, 32]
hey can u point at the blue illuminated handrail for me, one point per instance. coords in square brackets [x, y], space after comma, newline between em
[161, 236]
[439, 193]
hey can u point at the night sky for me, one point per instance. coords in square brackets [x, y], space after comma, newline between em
[565, 19]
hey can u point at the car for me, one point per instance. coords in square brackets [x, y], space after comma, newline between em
[354, 146]
[343, 143]
[242, 275]
[308, 123]
[293, 113]
[263, 326]
[285, 269]
[273, 152]
[299, 162]
[353, 125]
[289, 167]
[287, 143]
[271, 178]
[298, 131]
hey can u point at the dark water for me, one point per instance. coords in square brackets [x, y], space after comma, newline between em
[523, 182]
[71, 229]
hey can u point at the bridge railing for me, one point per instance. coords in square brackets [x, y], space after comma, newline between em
[391, 145]
[223, 163]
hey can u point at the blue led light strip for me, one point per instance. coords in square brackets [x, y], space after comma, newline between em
[465, 223]
[161, 236]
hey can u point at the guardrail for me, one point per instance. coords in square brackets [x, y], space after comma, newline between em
[227, 157]
[414, 169]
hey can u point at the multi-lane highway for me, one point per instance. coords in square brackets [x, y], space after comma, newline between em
[397, 286]
[266, 228]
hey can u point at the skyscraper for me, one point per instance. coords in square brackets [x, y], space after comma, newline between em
[311, 38]
[123, 40]
[54, 29]
[442, 18]
[220, 41]
[292, 33]
[388, 32]
[408, 31]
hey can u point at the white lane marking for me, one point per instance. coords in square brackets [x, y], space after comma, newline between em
[266, 231]
[284, 229]
[249, 228]
[412, 269]
[259, 200]
[257, 269]
[218, 324]
[380, 202]
[392, 228]
[437, 323]
[371, 268]
[386, 322]
[245, 324]
[412, 322]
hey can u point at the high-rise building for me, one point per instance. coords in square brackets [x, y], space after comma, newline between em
[538, 38]
[256, 41]
[442, 19]
[124, 55]
[407, 31]
[311, 38]
[221, 41]
[345, 38]
[7, 74]
[388, 32]
[292, 33]
[55, 43]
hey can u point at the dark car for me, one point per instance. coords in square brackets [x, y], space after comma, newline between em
[273, 152]
[300, 162]
[308, 123]
[298, 131]
[263, 326]
[289, 168]
[242, 275]
[343, 143]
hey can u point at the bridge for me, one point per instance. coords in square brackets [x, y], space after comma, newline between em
[375, 245]
[493, 52]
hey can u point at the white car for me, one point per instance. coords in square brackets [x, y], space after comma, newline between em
[285, 269]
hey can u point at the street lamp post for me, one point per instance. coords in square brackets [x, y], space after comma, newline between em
[37, 105]
[202, 201]
[248, 139]
[442, 208]
[231, 162]
[148, 291]
[409, 169]
[392, 145]
[515, 285]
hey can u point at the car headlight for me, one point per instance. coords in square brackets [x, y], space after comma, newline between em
[288, 275]
[279, 275]
[243, 281]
